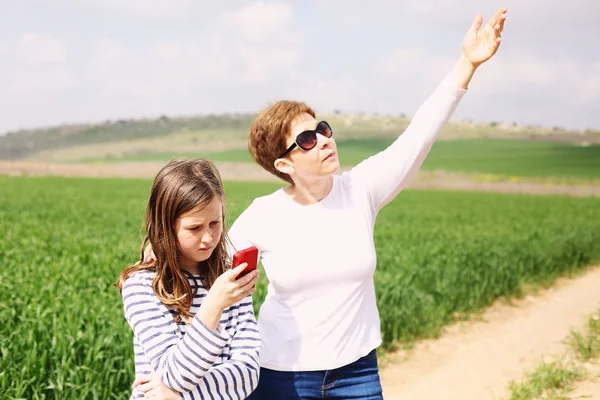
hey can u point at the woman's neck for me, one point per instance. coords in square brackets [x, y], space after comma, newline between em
[312, 191]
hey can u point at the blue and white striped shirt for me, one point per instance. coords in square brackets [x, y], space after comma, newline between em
[192, 359]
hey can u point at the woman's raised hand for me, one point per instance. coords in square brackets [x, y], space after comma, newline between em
[480, 44]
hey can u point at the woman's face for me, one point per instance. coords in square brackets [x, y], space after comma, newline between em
[321, 160]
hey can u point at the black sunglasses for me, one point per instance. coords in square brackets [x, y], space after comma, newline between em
[307, 140]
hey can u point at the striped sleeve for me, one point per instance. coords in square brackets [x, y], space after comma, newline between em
[237, 377]
[182, 360]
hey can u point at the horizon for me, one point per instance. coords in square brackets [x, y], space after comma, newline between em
[496, 123]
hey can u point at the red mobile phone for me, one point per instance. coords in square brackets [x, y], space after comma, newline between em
[250, 256]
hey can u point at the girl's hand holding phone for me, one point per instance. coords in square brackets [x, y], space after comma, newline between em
[228, 289]
[225, 292]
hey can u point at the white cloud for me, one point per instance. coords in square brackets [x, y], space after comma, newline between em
[327, 96]
[39, 66]
[401, 62]
[147, 9]
[248, 47]
[160, 69]
[499, 75]
[260, 21]
[187, 56]
[589, 84]
[206, 61]
[416, 65]
[43, 49]
[157, 9]
[262, 64]
[267, 41]
[581, 82]
[108, 54]
[450, 10]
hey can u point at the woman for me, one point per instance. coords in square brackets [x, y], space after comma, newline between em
[319, 324]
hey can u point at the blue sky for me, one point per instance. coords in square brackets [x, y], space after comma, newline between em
[78, 61]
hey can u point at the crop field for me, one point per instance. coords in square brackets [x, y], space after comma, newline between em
[483, 156]
[441, 256]
[202, 132]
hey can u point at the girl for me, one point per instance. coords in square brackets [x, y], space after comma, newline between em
[193, 324]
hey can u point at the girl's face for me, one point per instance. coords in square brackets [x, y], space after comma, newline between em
[198, 233]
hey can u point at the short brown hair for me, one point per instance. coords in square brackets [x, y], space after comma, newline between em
[269, 131]
[179, 187]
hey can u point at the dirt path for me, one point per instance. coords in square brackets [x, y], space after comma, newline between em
[229, 171]
[590, 389]
[476, 360]
[250, 172]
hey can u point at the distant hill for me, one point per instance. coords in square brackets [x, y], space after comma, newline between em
[24, 143]
[226, 132]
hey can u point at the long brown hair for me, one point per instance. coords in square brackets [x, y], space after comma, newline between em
[179, 187]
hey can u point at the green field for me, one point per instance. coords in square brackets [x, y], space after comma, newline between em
[509, 158]
[485, 156]
[105, 138]
[64, 242]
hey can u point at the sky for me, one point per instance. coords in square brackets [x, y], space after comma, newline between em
[72, 61]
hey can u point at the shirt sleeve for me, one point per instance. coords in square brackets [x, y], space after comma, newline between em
[182, 360]
[385, 174]
[240, 233]
[238, 376]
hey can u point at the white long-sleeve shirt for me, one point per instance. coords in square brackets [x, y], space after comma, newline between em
[192, 359]
[320, 311]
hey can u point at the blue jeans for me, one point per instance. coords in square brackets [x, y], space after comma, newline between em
[358, 380]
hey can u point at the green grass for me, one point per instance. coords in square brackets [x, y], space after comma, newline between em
[509, 158]
[494, 156]
[516, 158]
[556, 379]
[586, 345]
[64, 242]
[442, 253]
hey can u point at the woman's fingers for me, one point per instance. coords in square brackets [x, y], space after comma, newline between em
[495, 20]
[477, 22]
[146, 387]
[500, 23]
[149, 255]
[139, 379]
